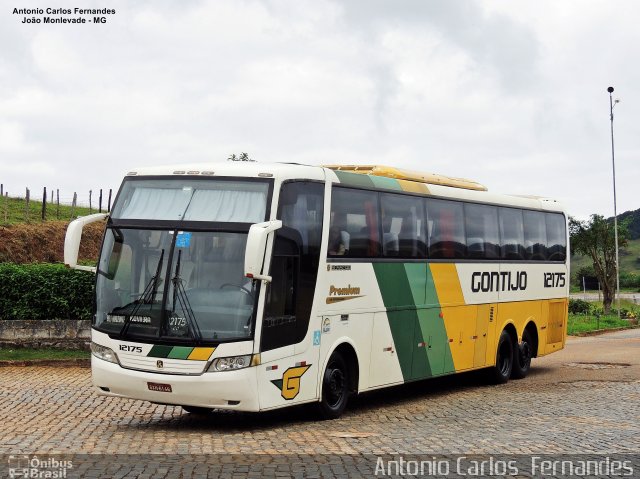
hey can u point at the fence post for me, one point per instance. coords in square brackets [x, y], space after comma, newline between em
[44, 203]
[57, 203]
[51, 195]
[26, 207]
[73, 205]
[90, 192]
[100, 202]
[1, 189]
[6, 208]
[109, 203]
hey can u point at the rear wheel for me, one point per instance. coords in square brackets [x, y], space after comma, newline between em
[504, 359]
[197, 410]
[522, 356]
[335, 387]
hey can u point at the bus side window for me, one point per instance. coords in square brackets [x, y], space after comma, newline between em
[481, 226]
[511, 233]
[556, 237]
[535, 235]
[354, 224]
[447, 238]
[402, 226]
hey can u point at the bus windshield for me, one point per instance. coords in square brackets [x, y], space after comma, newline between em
[172, 284]
[172, 261]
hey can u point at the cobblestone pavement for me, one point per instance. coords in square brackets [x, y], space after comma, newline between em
[584, 399]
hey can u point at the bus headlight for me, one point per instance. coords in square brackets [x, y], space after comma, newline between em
[234, 362]
[104, 353]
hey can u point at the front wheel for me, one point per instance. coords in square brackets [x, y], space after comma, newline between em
[335, 388]
[522, 357]
[501, 372]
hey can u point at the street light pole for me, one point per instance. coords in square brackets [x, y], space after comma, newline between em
[615, 208]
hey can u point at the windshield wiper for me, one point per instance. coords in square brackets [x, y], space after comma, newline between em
[148, 296]
[180, 296]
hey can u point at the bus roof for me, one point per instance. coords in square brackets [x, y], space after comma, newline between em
[425, 183]
[410, 175]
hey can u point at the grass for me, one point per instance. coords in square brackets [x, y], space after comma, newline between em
[26, 354]
[14, 210]
[579, 323]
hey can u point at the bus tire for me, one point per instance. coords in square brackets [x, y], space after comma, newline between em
[501, 372]
[522, 357]
[197, 410]
[335, 388]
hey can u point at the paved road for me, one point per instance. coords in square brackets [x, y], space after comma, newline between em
[584, 399]
[633, 297]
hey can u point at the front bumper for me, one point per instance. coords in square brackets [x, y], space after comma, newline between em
[235, 390]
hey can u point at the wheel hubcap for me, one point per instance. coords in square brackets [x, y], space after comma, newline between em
[335, 385]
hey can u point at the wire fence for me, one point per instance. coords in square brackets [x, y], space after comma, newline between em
[51, 205]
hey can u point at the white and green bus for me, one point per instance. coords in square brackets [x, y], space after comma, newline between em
[258, 286]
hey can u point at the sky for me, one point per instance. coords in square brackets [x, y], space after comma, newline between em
[510, 93]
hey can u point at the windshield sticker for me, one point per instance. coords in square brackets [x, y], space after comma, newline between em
[316, 338]
[183, 240]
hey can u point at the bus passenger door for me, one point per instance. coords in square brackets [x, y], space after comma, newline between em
[289, 353]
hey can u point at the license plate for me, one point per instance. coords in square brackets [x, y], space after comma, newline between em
[163, 388]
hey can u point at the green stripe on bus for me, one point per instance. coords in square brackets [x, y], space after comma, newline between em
[396, 292]
[387, 183]
[438, 331]
[354, 179]
[160, 351]
[419, 333]
[180, 352]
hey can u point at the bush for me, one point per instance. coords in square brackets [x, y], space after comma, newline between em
[45, 291]
[629, 280]
[578, 306]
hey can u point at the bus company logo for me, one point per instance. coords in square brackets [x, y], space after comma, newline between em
[343, 294]
[502, 281]
[289, 385]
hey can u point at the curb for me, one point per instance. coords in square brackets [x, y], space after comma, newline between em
[64, 363]
[597, 332]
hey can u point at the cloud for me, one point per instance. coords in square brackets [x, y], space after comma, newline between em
[511, 94]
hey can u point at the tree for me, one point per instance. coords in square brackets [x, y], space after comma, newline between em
[241, 157]
[595, 238]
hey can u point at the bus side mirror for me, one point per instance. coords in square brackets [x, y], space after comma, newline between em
[72, 240]
[256, 248]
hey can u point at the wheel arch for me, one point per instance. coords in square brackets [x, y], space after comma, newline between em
[532, 328]
[349, 352]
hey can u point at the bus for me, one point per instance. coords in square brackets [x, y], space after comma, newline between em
[255, 286]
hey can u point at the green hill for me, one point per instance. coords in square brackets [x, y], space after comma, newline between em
[12, 211]
[634, 222]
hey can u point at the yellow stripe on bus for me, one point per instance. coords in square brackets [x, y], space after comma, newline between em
[201, 354]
